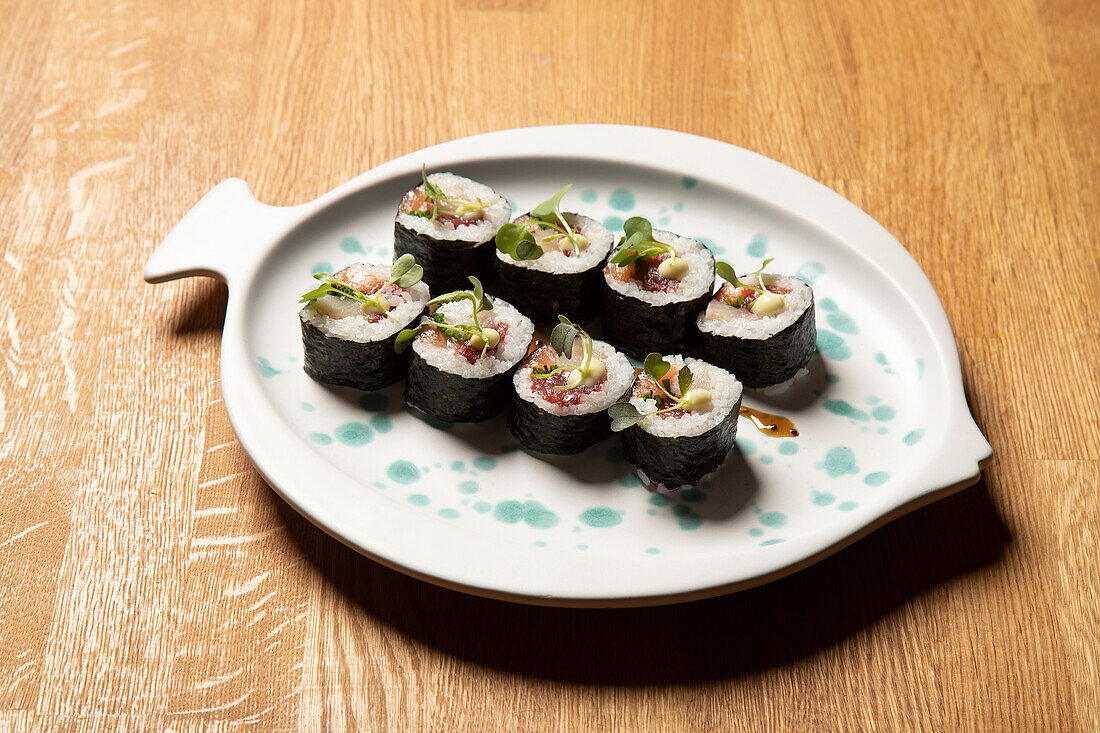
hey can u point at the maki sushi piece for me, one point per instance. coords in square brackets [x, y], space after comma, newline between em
[679, 422]
[563, 391]
[548, 261]
[655, 285]
[448, 223]
[760, 327]
[351, 321]
[463, 355]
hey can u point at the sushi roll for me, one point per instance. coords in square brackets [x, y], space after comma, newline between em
[563, 391]
[679, 422]
[351, 321]
[548, 261]
[448, 223]
[655, 285]
[463, 355]
[760, 327]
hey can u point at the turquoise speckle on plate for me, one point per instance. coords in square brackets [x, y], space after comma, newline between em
[601, 517]
[403, 472]
[758, 247]
[419, 500]
[839, 461]
[621, 200]
[351, 246]
[354, 433]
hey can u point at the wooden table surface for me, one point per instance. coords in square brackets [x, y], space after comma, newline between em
[151, 579]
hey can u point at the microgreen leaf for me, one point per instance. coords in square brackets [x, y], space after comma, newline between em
[405, 272]
[562, 337]
[623, 415]
[404, 338]
[515, 241]
[725, 271]
[316, 293]
[656, 366]
[551, 206]
[479, 295]
[638, 225]
[684, 380]
[450, 297]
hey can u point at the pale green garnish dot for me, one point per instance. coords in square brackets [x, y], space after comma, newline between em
[766, 459]
[540, 543]
[629, 480]
[659, 500]
[847, 506]
[419, 500]
[308, 407]
[448, 513]
[458, 466]
[882, 413]
[652, 551]
[788, 449]
[913, 437]
[756, 532]
[321, 438]
[689, 182]
[321, 267]
[468, 487]
[823, 498]
[614, 223]
[589, 196]
[482, 507]
[765, 543]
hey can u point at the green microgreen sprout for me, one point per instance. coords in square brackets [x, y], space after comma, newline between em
[517, 241]
[624, 414]
[473, 332]
[638, 244]
[442, 203]
[562, 337]
[404, 273]
[766, 303]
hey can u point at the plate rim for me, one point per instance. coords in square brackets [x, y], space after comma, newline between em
[231, 206]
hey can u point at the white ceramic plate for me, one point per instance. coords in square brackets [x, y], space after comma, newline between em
[884, 423]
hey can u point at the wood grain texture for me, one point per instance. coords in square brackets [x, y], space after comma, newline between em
[151, 580]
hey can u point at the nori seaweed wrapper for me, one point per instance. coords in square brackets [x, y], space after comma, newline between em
[763, 362]
[368, 365]
[681, 461]
[541, 296]
[561, 435]
[451, 398]
[638, 328]
[446, 263]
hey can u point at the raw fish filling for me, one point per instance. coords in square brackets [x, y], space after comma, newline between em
[744, 297]
[645, 274]
[415, 202]
[647, 389]
[545, 387]
[368, 284]
[462, 347]
[549, 243]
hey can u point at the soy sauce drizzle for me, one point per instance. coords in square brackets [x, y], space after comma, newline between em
[774, 426]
